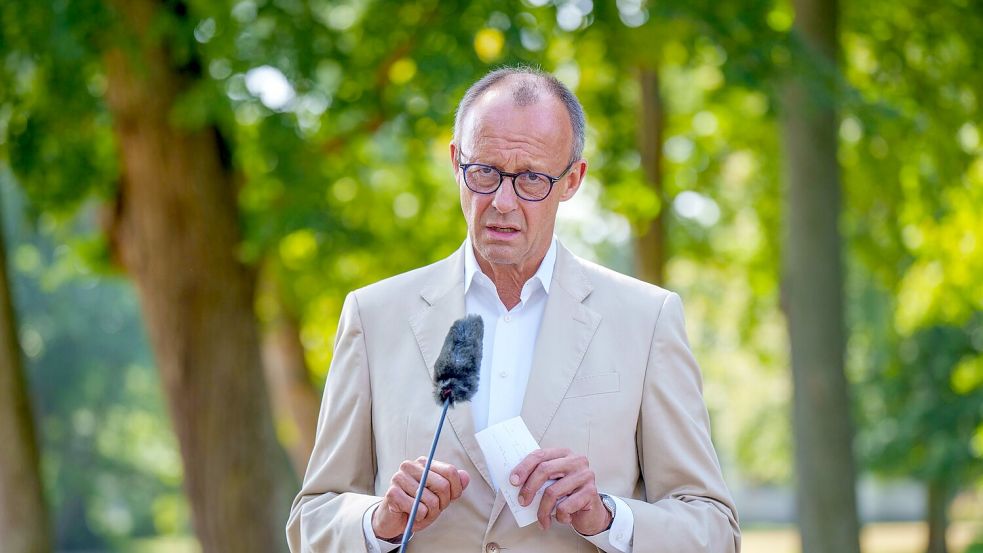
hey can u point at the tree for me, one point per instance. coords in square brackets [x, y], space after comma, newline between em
[911, 156]
[176, 231]
[23, 517]
[813, 291]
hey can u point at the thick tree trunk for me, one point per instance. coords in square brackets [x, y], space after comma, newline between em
[294, 397]
[650, 244]
[813, 299]
[938, 522]
[23, 518]
[176, 232]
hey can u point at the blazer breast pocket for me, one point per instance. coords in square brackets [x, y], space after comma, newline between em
[604, 383]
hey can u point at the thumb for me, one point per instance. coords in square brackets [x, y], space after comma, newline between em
[465, 478]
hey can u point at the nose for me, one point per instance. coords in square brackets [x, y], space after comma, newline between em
[505, 199]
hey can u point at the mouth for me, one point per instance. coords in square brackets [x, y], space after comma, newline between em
[502, 229]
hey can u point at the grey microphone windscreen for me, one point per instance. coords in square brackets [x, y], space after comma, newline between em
[456, 371]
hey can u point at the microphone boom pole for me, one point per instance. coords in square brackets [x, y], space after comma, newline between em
[455, 380]
[423, 481]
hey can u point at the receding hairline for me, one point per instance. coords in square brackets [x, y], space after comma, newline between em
[527, 86]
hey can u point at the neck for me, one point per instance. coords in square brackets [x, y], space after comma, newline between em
[508, 279]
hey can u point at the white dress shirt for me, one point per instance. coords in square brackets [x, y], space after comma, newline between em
[506, 361]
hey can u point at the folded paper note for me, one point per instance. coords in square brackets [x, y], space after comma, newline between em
[504, 445]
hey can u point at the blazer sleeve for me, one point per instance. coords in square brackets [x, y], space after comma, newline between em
[326, 516]
[688, 507]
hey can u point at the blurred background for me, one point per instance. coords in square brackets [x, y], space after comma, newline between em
[190, 187]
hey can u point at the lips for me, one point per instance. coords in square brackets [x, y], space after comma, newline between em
[506, 228]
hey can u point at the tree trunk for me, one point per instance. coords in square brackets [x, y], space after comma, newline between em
[650, 244]
[938, 504]
[295, 399]
[813, 297]
[176, 232]
[23, 518]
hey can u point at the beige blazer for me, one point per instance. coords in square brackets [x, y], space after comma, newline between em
[613, 378]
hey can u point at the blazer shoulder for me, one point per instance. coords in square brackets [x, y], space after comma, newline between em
[627, 292]
[392, 292]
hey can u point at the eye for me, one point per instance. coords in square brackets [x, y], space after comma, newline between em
[484, 170]
[533, 178]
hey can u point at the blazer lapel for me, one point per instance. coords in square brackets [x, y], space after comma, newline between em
[445, 304]
[566, 331]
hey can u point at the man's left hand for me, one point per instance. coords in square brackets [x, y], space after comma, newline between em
[574, 493]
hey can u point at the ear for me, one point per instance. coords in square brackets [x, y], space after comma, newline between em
[453, 152]
[573, 179]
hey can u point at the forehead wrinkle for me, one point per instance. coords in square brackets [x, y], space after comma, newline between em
[498, 133]
[512, 152]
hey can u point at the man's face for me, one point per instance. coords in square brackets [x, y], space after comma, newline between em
[504, 229]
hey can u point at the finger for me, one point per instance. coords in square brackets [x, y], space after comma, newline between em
[553, 469]
[556, 492]
[449, 476]
[397, 501]
[410, 486]
[465, 479]
[527, 465]
[440, 487]
[578, 501]
[436, 484]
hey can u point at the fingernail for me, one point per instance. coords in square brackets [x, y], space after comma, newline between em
[392, 509]
[514, 479]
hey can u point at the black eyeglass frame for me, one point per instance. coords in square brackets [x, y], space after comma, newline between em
[501, 178]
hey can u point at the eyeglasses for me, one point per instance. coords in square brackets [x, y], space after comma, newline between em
[528, 185]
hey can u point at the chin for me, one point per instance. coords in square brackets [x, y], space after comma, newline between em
[499, 254]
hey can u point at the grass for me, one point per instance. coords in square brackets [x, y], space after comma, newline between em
[881, 537]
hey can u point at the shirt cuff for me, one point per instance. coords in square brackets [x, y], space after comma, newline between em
[372, 543]
[618, 538]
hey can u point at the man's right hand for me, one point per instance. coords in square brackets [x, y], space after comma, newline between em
[445, 483]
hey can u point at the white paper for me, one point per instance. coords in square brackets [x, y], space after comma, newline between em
[504, 445]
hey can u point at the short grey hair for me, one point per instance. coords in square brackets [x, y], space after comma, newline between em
[525, 91]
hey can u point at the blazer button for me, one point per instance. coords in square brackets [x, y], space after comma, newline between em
[492, 548]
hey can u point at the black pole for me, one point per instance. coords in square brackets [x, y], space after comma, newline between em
[423, 481]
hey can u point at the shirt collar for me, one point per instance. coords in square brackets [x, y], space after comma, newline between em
[544, 274]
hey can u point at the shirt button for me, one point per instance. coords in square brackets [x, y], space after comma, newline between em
[503, 374]
[508, 318]
[492, 547]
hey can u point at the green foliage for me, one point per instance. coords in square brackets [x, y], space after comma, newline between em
[927, 406]
[913, 167]
[109, 463]
[341, 152]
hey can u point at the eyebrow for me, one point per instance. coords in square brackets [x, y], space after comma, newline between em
[528, 169]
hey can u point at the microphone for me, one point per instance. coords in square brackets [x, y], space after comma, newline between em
[455, 378]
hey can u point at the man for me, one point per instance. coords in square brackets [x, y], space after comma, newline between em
[596, 363]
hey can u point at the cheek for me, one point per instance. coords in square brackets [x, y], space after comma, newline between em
[541, 216]
[473, 205]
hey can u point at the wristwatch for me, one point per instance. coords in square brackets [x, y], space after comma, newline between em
[610, 506]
